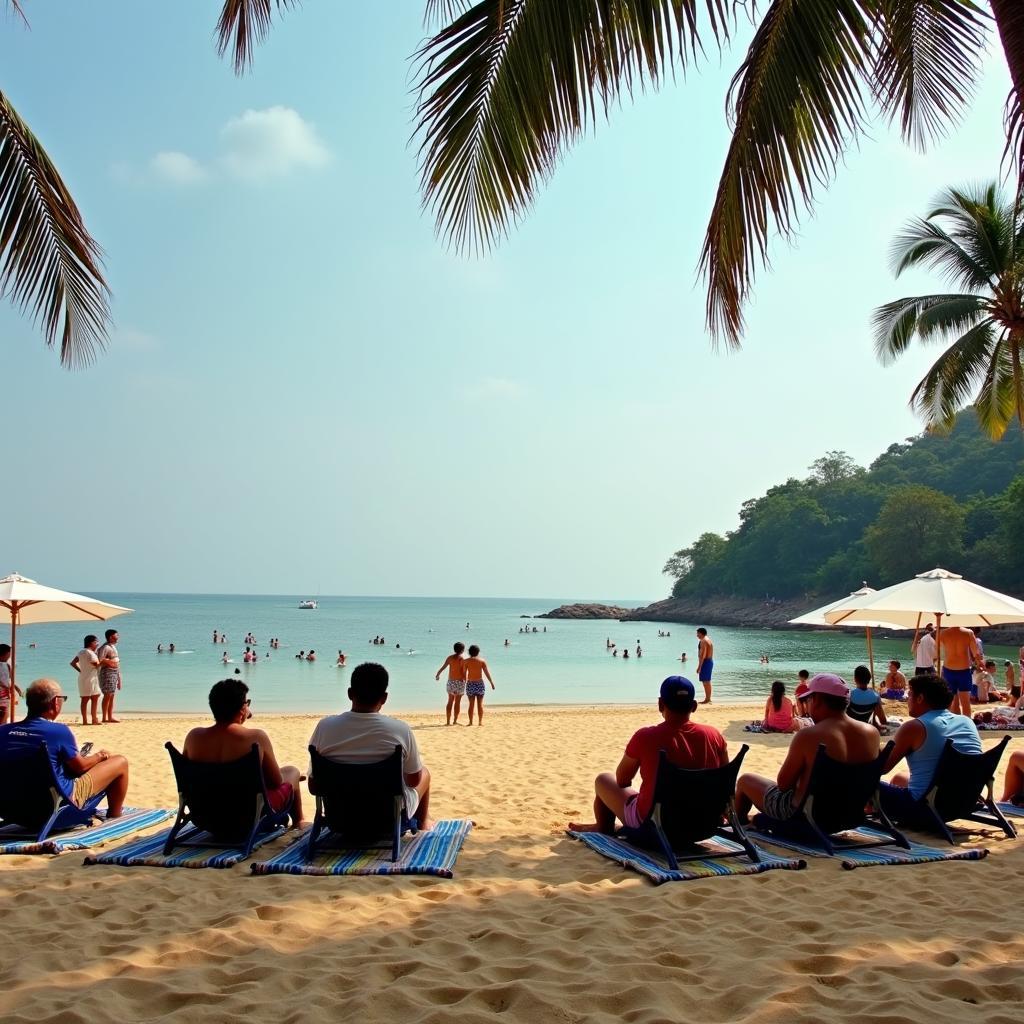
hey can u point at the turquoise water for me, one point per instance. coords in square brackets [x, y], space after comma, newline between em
[566, 665]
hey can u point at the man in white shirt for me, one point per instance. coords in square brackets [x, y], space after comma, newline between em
[87, 664]
[924, 652]
[363, 735]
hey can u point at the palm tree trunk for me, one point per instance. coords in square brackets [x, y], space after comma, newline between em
[1009, 16]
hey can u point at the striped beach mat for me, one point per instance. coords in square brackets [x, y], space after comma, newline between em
[917, 854]
[1011, 810]
[425, 853]
[132, 819]
[203, 851]
[656, 868]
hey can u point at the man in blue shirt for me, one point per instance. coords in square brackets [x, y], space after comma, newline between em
[79, 776]
[921, 741]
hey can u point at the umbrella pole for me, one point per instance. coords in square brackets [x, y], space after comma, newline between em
[871, 658]
[938, 643]
[12, 702]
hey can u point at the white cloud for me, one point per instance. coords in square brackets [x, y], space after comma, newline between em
[177, 168]
[263, 144]
[490, 389]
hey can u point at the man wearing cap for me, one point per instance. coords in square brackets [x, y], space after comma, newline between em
[845, 740]
[921, 741]
[686, 744]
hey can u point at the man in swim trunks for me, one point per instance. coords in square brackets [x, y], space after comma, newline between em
[958, 654]
[110, 674]
[705, 662]
[456, 685]
[229, 738]
[845, 740]
[476, 669]
[686, 744]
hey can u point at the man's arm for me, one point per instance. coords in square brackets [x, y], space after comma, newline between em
[104, 661]
[487, 673]
[271, 770]
[626, 771]
[909, 736]
[74, 664]
[447, 662]
[792, 769]
[79, 765]
[880, 712]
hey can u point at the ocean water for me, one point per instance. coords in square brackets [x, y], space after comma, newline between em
[567, 664]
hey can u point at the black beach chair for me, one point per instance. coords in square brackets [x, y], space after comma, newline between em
[228, 800]
[837, 794]
[962, 790]
[861, 713]
[31, 799]
[691, 805]
[359, 804]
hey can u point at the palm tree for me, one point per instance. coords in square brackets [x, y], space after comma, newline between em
[50, 266]
[506, 86]
[975, 238]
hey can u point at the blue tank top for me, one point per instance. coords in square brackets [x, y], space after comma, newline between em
[939, 726]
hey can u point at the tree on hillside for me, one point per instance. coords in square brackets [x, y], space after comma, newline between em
[917, 529]
[975, 238]
[832, 467]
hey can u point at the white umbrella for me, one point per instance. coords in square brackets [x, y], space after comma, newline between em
[948, 598]
[27, 601]
[817, 618]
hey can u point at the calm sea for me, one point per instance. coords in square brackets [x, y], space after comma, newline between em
[568, 664]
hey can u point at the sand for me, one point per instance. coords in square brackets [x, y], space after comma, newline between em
[533, 927]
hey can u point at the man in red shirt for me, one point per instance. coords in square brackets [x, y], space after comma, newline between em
[686, 744]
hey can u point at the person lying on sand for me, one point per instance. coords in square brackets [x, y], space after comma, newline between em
[80, 776]
[229, 738]
[687, 745]
[845, 739]
[363, 735]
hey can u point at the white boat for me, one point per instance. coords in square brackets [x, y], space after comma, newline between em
[307, 604]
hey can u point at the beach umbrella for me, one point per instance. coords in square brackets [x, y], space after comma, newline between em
[26, 601]
[817, 618]
[938, 594]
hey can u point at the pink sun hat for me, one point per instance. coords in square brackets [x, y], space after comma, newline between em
[827, 683]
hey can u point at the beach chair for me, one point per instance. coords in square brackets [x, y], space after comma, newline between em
[690, 805]
[962, 790]
[359, 804]
[861, 712]
[837, 794]
[31, 798]
[228, 800]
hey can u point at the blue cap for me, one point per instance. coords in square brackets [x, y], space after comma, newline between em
[677, 690]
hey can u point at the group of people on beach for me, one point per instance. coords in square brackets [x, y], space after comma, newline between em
[465, 678]
[99, 677]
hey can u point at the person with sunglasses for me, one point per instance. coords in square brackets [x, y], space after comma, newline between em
[80, 776]
[229, 738]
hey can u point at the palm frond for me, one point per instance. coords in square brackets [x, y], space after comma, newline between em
[49, 263]
[243, 25]
[510, 84]
[928, 58]
[1009, 18]
[928, 317]
[949, 383]
[796, 103]
[439, 12]
[925, 243]
[16, 7]
[997, 400]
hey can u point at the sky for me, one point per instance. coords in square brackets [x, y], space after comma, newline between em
[306, 392]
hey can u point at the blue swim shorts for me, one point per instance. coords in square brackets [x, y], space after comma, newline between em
[958, 679]
[475, 689]
[706, 668]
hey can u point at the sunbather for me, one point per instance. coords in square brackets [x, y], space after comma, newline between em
[865, 704]
[363, 735]
[686, 744]
[1013, 784]
[778, 711]
[845, 740]
[80, 776]
[229, 739]
[921, 741]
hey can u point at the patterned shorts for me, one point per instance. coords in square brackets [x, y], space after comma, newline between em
[475, 689]
[108, 680]
[456, 687]
[779, 803]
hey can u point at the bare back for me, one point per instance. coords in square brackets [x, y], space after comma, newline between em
[216, 744]
[845, 740]
[959, 648]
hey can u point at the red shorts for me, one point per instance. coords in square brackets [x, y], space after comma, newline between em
[280, 798]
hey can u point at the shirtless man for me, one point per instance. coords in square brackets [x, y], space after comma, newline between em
[705, 662]
[895, 682]
[229, 738]
[476, 670]
[958, 653]
[456, 685]
[845, 740]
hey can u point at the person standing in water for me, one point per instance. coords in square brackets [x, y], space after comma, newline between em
[456, 685]
[476, 671]
[705, 662]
